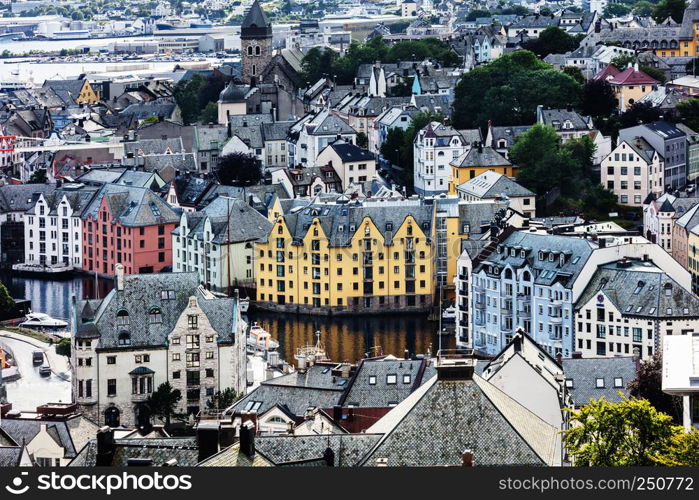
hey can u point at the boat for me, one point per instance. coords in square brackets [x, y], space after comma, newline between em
[244, 305]
[41, 321]
[260, 339]
[449, 313]
[310, 354]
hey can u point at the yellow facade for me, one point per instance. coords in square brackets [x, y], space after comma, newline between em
[87, 94]
[371, 274]
[687, 48]
[459, 175]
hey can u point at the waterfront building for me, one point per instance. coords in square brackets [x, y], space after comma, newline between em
[53, 227]
[342, 258]
[152, 329]
[15, 200]
[218, 243]
[128, 225]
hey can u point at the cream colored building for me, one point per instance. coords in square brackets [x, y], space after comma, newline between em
[632, 171]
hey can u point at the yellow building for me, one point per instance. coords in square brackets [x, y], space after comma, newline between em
[631, 85]
[686, 44]
[474, 162]
[337, 258]
[78, 91]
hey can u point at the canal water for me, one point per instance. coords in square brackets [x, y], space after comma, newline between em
[345, 338]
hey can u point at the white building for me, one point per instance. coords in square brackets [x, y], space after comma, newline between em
[53, 227]
[315, 131]
[435, 147]
[659, 215]
[680, 375]
[151, 329]
[219, 242]
[632, 171]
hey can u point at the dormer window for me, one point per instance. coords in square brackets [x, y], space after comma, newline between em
[124, 338]
[551, 257]
[155, 316]
[542, 255]
[122, 318]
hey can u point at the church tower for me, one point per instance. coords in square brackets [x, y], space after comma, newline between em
[255, 43]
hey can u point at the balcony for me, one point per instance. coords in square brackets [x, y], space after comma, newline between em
[556, 320]
[479, 341]
[555, 335]
[479, 321]
[139, 398]
[479, 305]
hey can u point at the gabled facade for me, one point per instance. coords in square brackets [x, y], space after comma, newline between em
[435, 147]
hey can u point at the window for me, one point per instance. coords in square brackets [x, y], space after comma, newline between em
[176, 374]
[193, 321]
[391, 379]
[156, 316]
[111, 387]
[618, 382]
[192, 359]
[111, 360]
[406, 379]
[124, 338]
[372, 379]
[192, 341]
[210, 355]
[599, 383]
[569, 383]
[122, 318]
[175, 356]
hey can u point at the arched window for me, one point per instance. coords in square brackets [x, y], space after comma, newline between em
[526, 276]
[254, 69]
[258, 50]
[668, 289]
[112, 416]
[276, 420]
[122, 318]
[124, 338]
[508, 274]
[249, 50]
[155, 316]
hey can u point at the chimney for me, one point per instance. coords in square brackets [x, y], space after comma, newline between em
[208, 434]
[247, 439]
[249, 416]
[119, 269]
[105, 446]
[229, 131]
[337, 414]
[455, 364]
[301, 358]
[467, 458]
[406, 354]
[559, 358]
[329, 457]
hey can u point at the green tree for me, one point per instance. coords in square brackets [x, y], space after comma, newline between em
[656, 73]
[648, 385]
[63, 348]
[640, 112]
[209, 114]
[553, 40]
[669, 8]
[187, 97]
[615, 10]
[576, 73]
[163, 402]
[6, 300]
[629, 433]
[392, 147]
[622, 61]
[238, 169]
[643, 8]
[536, 153]
[38, 177]
[362, 140]
[222, 399]
[508, 90]
[476, 13]
[598, 99]
[689, 112]
[683, 451]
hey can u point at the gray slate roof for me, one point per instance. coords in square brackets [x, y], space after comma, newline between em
[380, 394]
[141, 293]
[481, 157]
[348, 448]
[159, 450]
[132, 206]
[10, 456]
[21, 197]
[584, 373]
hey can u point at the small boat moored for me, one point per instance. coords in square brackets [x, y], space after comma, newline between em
[449, 313]
[260, 339]
[43, 322]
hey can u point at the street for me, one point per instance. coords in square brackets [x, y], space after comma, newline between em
[32, 390]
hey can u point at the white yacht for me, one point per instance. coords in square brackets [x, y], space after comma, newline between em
[41, 321]
[260, 339]
[449, 313]
[244, 305]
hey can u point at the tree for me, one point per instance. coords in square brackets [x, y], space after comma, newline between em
[362, 140]
[63, 348]
[576, 73]
[536, 153]
[163, 402]
[640, 112]
[622, 61]
[38, 177]
[648, 385]
[656, 73]
[643, 8]
[507, 91]
[476, 13]
[689, 113]
[209, 114]
[222, 400]
[628, 433]
[6, 301]
[615, 10]
[669, 8]
[187, 97]
[392, 146]
[682, 452]
[238, 169]
[598, 99]
[553, 40]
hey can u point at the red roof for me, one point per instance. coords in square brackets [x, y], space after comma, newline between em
[607, 73]
[632, 76]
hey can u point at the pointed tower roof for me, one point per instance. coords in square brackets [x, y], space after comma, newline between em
[255, 24]
[691, 14]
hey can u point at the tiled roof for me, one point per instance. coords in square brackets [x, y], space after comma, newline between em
[348, 152]
[492, 184]
[440, 420]
[633, 76]
[584, 373]
[141, 293]
[10, 456]
[159, 450]
[71, 434]
[232, 457]
[21, 197]
[481, 157]
[370, 387]
[132, 206]
[348, 448]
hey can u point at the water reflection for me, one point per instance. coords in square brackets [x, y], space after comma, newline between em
[349, 338]
[345, 338]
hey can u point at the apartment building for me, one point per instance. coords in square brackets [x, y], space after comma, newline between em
[341, 258]
[435, 147]
[351, 163]
[152, 329]
[218, 243]
[128, 225]
[633, 171]
[475, 161]
[53, 227]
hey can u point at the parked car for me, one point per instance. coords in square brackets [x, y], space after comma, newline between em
[37, 357]
[691, 188]
[45, 370]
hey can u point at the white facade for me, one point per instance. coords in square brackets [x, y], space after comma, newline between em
[435, 147]
[632, 176]
[680, 373]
